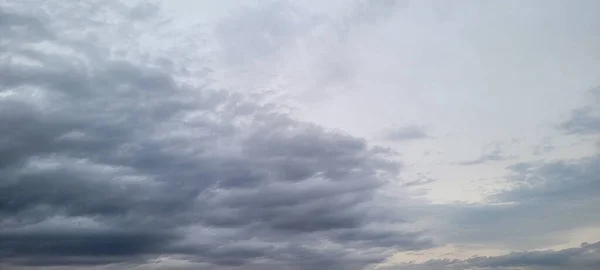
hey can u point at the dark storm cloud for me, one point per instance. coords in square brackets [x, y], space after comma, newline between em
[586, 257]
[90, 243]
[156, 167]
[406, 133]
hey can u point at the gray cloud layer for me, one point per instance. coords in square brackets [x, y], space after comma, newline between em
[108, 161]
[586, 257]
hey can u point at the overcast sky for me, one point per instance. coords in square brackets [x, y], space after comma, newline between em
[300, 135]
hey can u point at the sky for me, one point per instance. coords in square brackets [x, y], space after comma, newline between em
[299, 135]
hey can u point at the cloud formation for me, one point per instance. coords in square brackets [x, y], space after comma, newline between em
[586, 257]
[127, 144]
[108, 160]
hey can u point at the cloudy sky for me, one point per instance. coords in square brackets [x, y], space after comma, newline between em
[299, 135]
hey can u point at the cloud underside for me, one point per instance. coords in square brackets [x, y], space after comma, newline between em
[106, 160]
[586, 257]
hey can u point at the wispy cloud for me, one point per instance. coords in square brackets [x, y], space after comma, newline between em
[493, 152]
[405, 133]
[585, 120]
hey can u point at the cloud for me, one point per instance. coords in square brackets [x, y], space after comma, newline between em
[406, 133]
[107, 159]
[256, 33]
[536, 202]
[585, 120]
[532, 207]
[81, 243]
[586, 257]
[496, 154]
[555, 180]
[121, 151]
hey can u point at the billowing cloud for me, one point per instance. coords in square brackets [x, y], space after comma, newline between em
[105, 160]
[135, 140]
